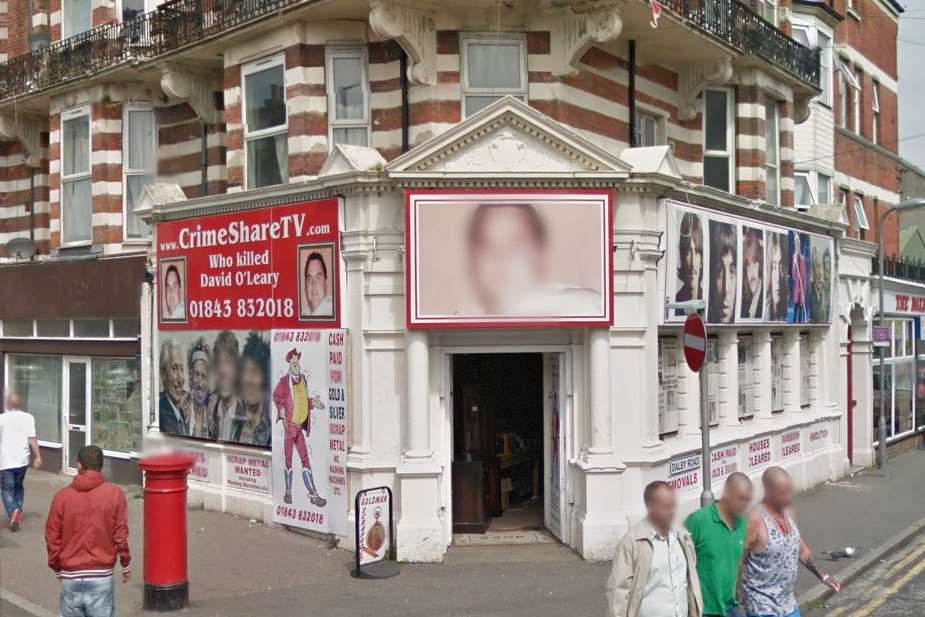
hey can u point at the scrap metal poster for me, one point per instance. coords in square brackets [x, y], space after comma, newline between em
[309, 403]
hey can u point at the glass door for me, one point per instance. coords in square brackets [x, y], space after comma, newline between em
[76, 409]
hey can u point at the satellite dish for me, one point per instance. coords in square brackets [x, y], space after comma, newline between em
[21, 248]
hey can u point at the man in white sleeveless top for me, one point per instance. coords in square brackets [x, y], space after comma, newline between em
[773, 550]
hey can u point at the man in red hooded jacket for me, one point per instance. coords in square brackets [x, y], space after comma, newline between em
[85, 532]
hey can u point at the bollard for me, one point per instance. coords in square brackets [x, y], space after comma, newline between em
[165, 571]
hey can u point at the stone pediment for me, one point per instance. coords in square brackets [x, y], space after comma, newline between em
[345, 159]
[653, 161]
[508, 139]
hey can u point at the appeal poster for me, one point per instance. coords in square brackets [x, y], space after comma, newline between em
[275, 267]
[309, 411]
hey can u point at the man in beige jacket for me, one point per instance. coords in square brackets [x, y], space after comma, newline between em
[655, 567]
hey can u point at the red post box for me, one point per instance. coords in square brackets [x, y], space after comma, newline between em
[166, 584]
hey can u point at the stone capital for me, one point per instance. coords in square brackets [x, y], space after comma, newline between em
[414, 30]
[576, 30]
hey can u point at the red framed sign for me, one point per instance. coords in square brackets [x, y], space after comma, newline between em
[502, 259]
[275, 267]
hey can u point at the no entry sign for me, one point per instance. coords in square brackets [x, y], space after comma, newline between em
[695, 342]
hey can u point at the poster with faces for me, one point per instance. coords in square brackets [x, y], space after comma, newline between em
[745, 272]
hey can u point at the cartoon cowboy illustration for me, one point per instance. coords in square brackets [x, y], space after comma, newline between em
[293, 408]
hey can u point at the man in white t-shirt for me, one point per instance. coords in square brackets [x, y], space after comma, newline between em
[17, 436]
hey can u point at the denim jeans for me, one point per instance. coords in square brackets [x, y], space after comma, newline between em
[795, 613]
[12, 489]
[88, 597]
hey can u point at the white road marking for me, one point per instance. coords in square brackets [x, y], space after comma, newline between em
[29, 607]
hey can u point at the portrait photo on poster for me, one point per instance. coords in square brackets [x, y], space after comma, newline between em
[723, 272]
[173, 289]
[509, 258]
[798, 306]
[777, 253]
[820, 296]
[215, 385]
[685, 274]
[317, 282]
[753, 275]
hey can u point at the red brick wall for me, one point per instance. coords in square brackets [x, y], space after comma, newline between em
[874, 35]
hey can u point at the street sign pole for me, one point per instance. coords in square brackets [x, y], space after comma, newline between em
[695, 351]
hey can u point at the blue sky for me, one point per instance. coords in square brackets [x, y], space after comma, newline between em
[912, 82]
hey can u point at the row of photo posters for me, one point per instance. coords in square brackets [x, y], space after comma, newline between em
[745, 271]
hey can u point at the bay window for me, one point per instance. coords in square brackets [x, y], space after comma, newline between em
[718, 138]
[348, 97]
[824, 187]
[76, 202]
[492, 67]
[266, 123]
[875, 115]
[139, 166]
[647, 130]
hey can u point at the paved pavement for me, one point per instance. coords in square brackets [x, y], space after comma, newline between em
[240, 568]
[895, 587]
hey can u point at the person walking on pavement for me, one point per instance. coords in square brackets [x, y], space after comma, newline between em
[655, 567]
[17, 437]
[773, 550]
[85, 533]
[718, 532]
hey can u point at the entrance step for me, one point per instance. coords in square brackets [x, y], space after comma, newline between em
[510, 553]
[494, 538]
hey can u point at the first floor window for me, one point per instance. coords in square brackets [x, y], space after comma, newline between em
[37, 379]
[777, 373]
[668, 413]
[717, 136]
[115, 395]
[348, 97]
[266, 124]
[803, 196]
[132, 9]
[824, 187]
[772, 153]
[492, 67]
[768, 10]
[746, 378]
[824, 43]
[139, 166]
[647, 130]
[76, 203]
[860, 217]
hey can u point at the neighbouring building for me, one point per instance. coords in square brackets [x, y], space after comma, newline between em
[445, 250]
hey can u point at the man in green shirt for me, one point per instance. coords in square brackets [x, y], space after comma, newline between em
[718, 532]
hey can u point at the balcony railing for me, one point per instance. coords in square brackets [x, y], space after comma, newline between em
[171, 26]
[898, 268]
[737, 25]
[179, 23]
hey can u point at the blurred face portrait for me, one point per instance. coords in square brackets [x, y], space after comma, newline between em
[752, 273]
[199, 381]
[295, 368]
[662, 507]
[252, 385]
[226, 374]
[316, 282]
[507, 255]
[172, 374]
[174, 304]
[723, 268]
[690, 258]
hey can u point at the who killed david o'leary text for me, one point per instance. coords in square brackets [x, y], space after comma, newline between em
[239, 279]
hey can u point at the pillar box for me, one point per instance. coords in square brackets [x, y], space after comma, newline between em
[165, 575]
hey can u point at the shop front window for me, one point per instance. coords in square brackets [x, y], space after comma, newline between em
[37, 380]
[116, 404]
[668, 414]
[777, 373]
[903, 397]
[712, 369]
[746, 379]
[806, 352]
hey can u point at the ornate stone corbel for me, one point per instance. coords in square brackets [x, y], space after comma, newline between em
[197, 90]
[414, 30]
[695, 77]
[801, 107]
[28, 131]
[575, 32]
